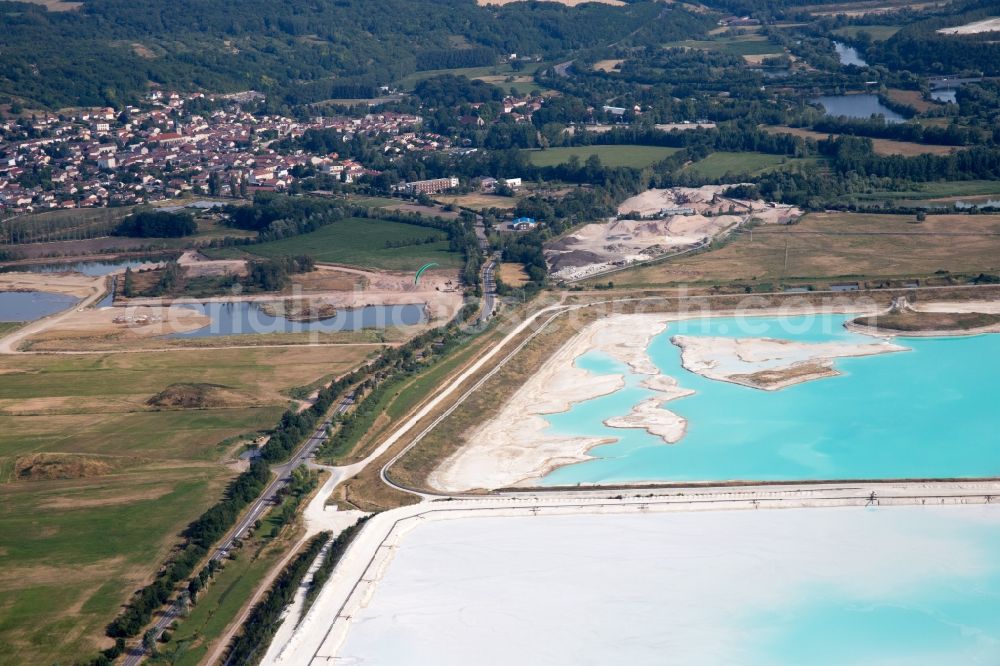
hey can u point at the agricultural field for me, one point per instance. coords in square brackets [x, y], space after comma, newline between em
[913, 99]
[210, 229]
[637, 157]
[104, 458]
[879, 33]
[480, 201]
[717, 165]
[373, 202]
[880, 146]
[362, 242]
[482, 73]
[865, 7]
[839, 245]
[607, 65]
[944, 191]
[512, 275]
[741, 45]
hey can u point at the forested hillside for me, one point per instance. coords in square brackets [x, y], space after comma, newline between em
[110, 51]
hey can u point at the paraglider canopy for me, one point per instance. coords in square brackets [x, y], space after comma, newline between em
[423, 268]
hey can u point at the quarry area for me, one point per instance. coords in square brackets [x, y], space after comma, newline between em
[659, 223]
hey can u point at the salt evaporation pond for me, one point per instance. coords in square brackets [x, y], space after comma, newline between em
[926, 413]
[822, 586]
[32, 305]
[857, 106]
[244, 318]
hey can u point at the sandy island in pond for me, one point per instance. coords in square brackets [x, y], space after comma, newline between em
[768, 363]
[515, 447]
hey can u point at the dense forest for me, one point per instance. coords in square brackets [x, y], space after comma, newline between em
[111, 50]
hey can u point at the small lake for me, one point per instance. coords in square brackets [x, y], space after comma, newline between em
[862, 107]
[944, 95]
[246, 318]
[849, 55]
[32, 305]
[925, 413]
[91, 268]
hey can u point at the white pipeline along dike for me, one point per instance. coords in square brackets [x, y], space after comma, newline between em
[322, 632]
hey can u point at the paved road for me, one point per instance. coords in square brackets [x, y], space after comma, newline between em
[283, 472]
[252, 515]
[562, 69]
[489, 292]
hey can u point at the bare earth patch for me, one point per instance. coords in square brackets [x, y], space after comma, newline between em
[198, 265]
[481, 201]
[986, 25]
[71, 284]
[117, 324]
[513, 275]
[607, 65]
[57, 5]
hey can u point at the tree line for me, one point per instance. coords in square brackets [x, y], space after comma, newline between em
[250, 645]
[157, 224]
[330, 560]
[199, 536]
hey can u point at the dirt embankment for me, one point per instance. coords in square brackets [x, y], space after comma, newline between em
[51, 466]
[300, 310]
[70, 284]
[196, 396]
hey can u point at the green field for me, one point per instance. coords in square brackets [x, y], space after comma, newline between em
[361, 242]
[487, 72]
[717, 165]
[879, 33]
[637, 157]
[95, 484]
[945, 189]
[220, 603]
[740, 45]
[373, 202]
[8, 326]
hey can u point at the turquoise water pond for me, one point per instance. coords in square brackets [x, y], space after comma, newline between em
[848, 586]
[926, 413]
